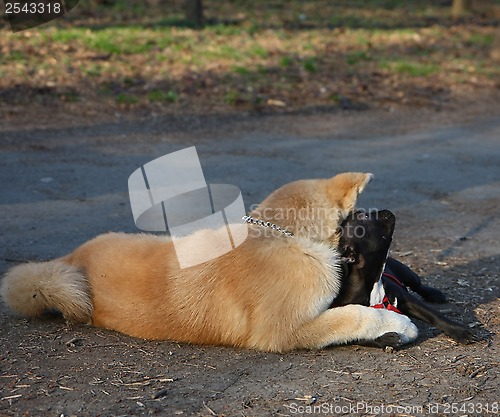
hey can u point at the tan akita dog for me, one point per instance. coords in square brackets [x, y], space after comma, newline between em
[272, 292]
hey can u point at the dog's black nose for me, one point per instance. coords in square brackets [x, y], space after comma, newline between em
[386, 215]
[388, 220]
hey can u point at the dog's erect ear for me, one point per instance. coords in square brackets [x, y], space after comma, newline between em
[343, 190]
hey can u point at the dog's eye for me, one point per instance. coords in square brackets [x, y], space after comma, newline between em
[359, 214]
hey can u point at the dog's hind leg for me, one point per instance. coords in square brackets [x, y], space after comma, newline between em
[412, 306]
[411, 280]
[354, 323]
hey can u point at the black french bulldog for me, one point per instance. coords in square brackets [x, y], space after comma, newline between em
[371, 277]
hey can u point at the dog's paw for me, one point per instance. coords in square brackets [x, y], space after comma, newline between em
[400, 324]
[391, 339]
[384, 321]
[461, 334]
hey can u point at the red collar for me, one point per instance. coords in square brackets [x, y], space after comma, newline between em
[387, 305]
[385, 302]
[393, 278]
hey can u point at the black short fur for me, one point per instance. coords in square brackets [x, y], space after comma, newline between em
[364, 243]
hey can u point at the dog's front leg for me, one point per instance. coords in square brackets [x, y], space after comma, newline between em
[355, 323]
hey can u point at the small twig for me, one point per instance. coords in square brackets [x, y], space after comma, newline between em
[11, 397]
[209, 409]
[110, 345]
[467, 399]
[160, 394]
[476, 372]
[132, 384]
[72, 342]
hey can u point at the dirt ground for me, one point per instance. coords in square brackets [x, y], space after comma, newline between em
[64, 180]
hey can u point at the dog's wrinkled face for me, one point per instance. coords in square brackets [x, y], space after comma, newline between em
[364, 242]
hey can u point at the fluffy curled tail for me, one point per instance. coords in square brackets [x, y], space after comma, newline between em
[33, 288]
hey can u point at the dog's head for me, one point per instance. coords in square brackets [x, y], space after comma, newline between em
[313, 208]
[364, 242]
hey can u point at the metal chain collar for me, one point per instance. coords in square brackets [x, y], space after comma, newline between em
[263, 223]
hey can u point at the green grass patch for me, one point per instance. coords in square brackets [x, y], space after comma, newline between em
[286, 61]
[128, 99]
[93, 70]
[173, 21]
[335, 98]
[353, 58]
[14, 56]
[67, 35]
[232, 98]
[231, 52]
[156, 96]
[482, 40]
[224, 52]
[238, 69]
[259, 51]
[411, 68]
[311, 64]
[128, 40]
[225, 30]
[423, 51]
[117, 40]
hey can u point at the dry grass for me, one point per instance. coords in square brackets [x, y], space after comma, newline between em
[277, 57]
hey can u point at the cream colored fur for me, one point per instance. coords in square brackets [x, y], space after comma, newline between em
[32, 288]
[314, 208]
[270, 293]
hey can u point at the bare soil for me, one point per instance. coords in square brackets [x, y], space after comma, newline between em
[64, 180]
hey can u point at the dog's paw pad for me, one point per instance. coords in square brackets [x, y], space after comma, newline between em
[391, 339]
